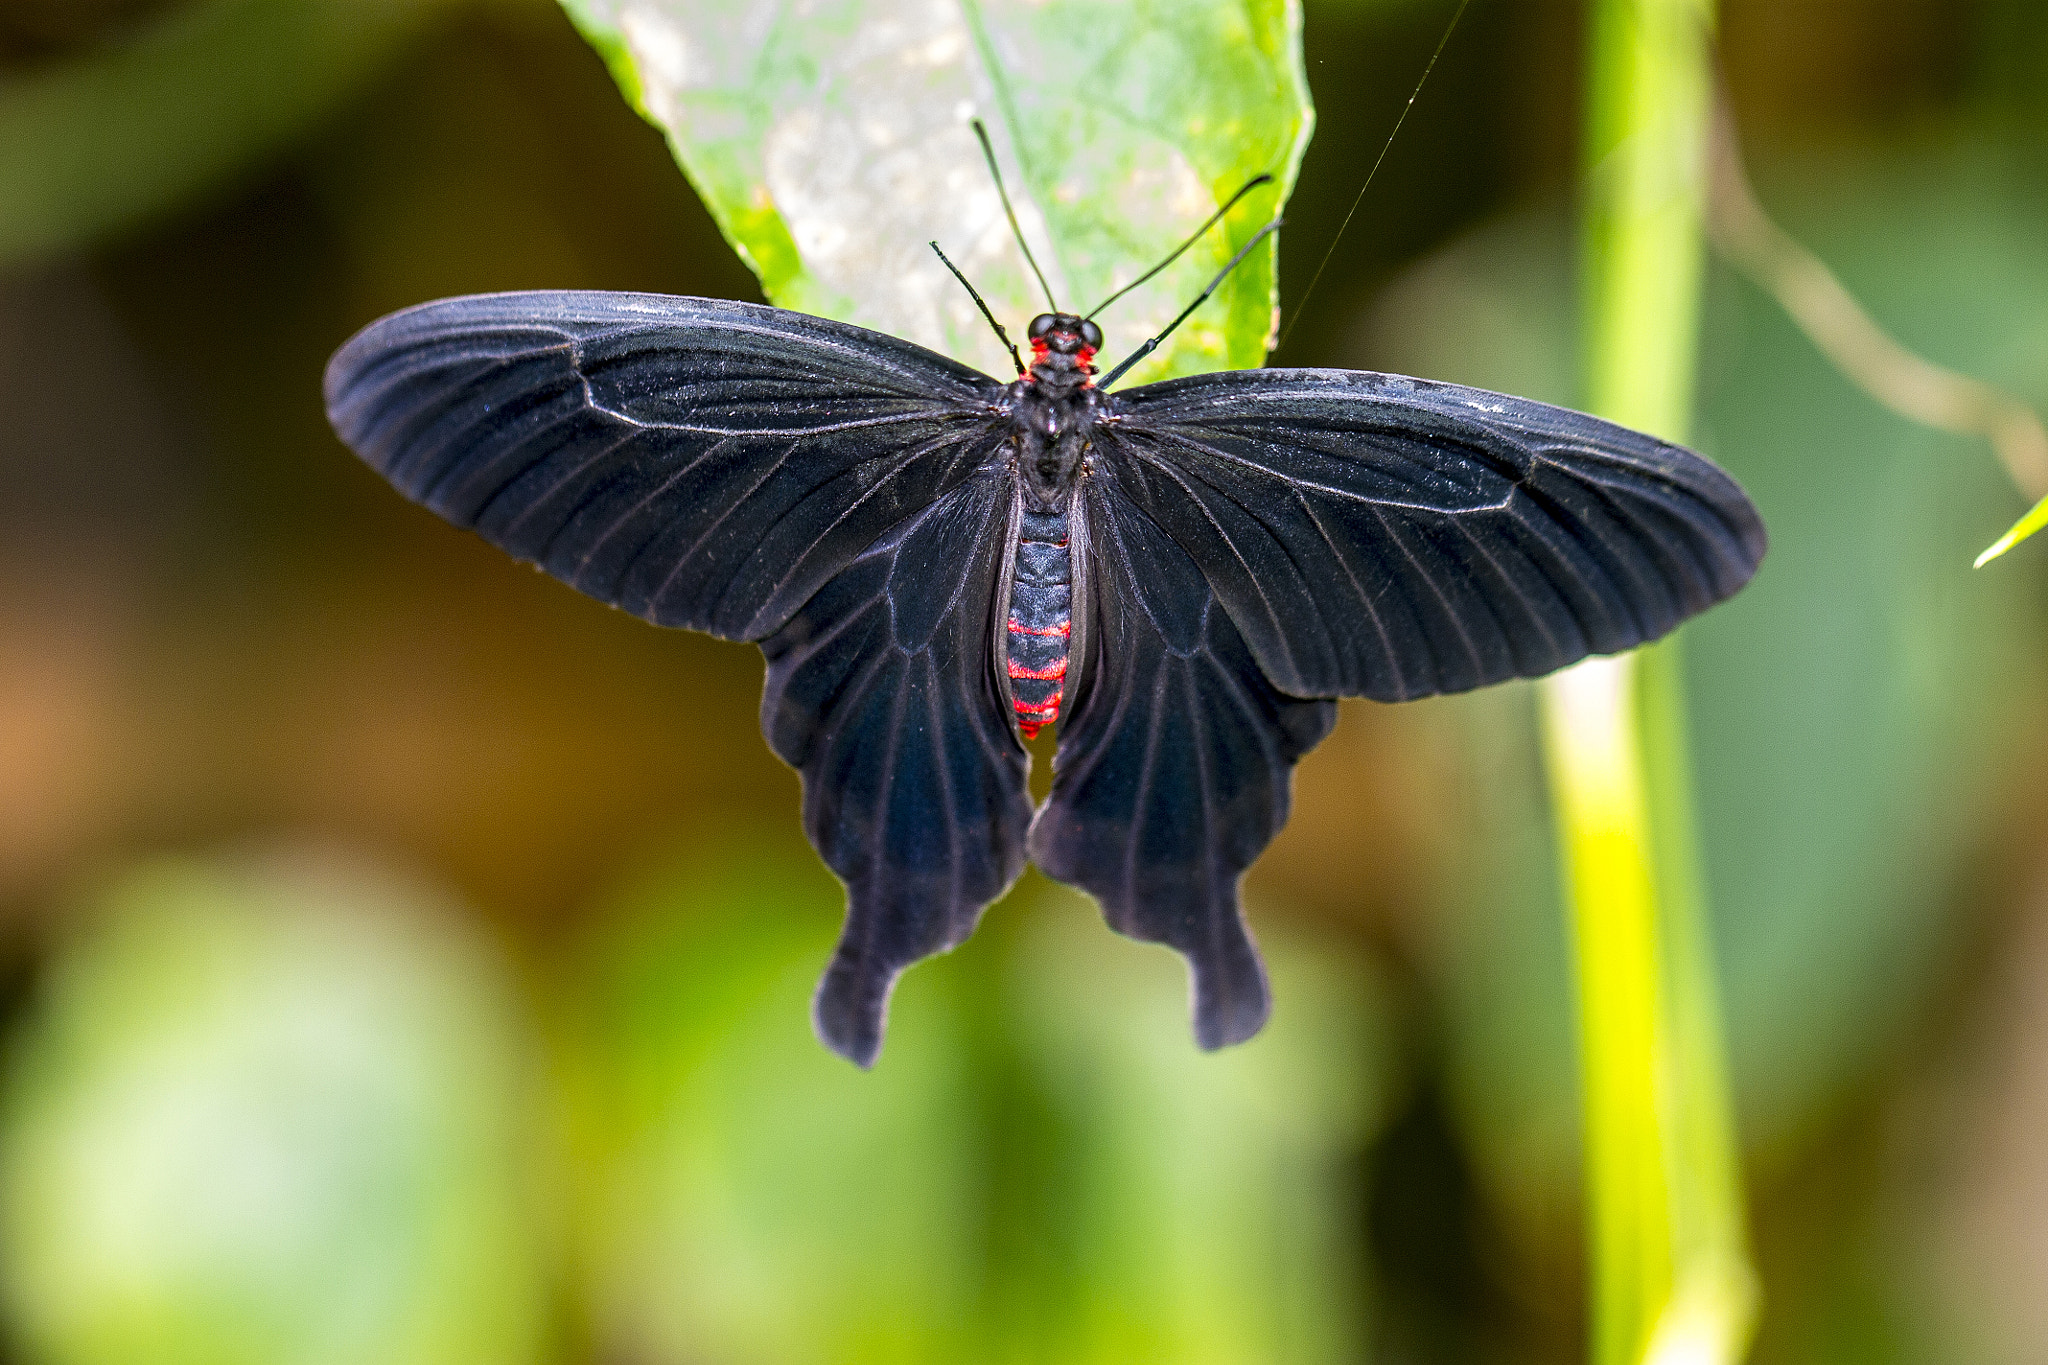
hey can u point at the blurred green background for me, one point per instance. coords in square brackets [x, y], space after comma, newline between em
[403, 959]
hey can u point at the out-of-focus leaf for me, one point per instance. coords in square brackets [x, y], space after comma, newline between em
[1847, 707]
[1326, 9]
[832, 142]
[748, 1196]
[270, 1114]
[1203, 1207]
[1041, 1167]
[93, 147]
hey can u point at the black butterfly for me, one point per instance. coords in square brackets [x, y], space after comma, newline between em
[936, 562]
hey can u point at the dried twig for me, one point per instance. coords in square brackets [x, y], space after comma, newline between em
[1908, 384]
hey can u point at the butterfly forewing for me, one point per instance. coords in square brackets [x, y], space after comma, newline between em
[698, 462]
[1262, 540]
[1392, 538]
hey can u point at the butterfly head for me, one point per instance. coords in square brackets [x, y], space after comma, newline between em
[1063, 334]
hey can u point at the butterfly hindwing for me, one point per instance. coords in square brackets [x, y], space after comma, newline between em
[1174, 762]
[699, 462]
[1392, 538]
[882, 692]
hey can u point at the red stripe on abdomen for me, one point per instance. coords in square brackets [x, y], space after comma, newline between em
[1039, 621]
[1033, 717]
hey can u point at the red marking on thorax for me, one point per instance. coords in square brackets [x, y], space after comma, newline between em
[1082, 357]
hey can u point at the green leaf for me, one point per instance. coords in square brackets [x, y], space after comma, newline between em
[1191, 1207]
[1041, 1166]
[747, 1195]
[832, 143]
[270, 1113]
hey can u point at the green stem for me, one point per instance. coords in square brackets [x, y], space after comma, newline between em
[1669, 1271]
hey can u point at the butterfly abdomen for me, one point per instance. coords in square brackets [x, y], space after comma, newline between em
[1040, 620]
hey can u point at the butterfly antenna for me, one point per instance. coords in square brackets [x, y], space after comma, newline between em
[989, 152]
[1200, 232]
[971, 292]
[1441, 43]
[1134, 357]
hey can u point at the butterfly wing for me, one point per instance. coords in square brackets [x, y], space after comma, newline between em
[838, 495]
[1261, 539]
[1175, 759]
[698, 462]
[882, 692]
[1385, 537]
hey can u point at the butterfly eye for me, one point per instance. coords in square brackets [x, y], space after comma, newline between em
[1091, 335]
[1041, 325]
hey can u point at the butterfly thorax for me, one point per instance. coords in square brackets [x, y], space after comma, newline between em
[1050, 434]
[1053, 407]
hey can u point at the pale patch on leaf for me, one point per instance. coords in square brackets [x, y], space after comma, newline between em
[832, 141]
